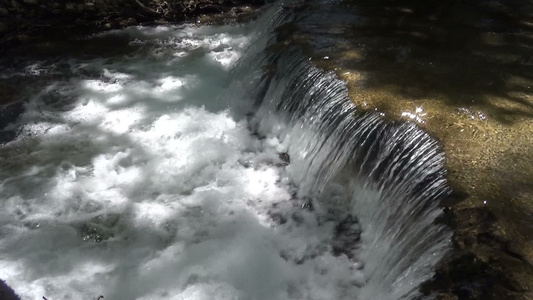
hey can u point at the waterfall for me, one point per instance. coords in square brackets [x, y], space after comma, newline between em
[183, 170]
[391, 174]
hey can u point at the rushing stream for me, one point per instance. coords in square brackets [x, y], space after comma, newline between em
[176, 169]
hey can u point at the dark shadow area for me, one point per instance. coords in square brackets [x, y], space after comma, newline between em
[491, 271]
[23, 24]
[464, 53]
[51, 71]
[6, 292]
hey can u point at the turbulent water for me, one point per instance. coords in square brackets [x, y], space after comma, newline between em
[180, 169]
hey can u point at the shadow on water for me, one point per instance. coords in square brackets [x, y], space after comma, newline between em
[462, 52]
[53, 71]
[23, 73]
[6, 292]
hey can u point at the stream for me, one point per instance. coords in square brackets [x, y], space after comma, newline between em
[177, 167]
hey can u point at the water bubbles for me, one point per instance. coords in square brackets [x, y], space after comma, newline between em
[35, 69]
[166, 200]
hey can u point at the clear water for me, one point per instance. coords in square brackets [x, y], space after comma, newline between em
[161, 173]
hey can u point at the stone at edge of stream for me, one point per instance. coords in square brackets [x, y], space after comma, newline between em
[23, 22]
[6, 292]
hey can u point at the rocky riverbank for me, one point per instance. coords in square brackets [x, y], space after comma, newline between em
[25, 21]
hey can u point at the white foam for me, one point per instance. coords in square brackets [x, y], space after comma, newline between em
[151, 186]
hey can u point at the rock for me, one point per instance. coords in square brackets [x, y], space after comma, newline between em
[111, 3]
[7, 292]
[35, 20]
[22, 37]
[70, 6]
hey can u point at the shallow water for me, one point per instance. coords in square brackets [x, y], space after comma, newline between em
[176, 169]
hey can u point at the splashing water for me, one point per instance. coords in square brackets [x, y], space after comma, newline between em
[181, 171]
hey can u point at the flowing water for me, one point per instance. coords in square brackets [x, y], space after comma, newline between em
[177, 168]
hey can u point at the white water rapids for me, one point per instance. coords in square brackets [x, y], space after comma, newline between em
[155, 174]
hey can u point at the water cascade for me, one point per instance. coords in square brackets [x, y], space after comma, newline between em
[182, 170]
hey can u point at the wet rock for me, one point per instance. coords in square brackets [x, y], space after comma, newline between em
[40, 20]
[483, 265]
[285, 159]
[70, 6]
[10, 113]
[6, 292]
[347, 237]
[79, 21]
[22, 38]
[7, 136]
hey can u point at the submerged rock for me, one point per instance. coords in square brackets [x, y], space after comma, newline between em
[6, 292]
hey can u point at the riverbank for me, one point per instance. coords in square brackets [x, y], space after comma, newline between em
[26, 22]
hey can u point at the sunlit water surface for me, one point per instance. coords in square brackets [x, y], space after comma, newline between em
[138, 177]
[153, 174]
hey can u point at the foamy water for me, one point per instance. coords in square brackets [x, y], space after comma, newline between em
[139, 177]
[175, 169]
